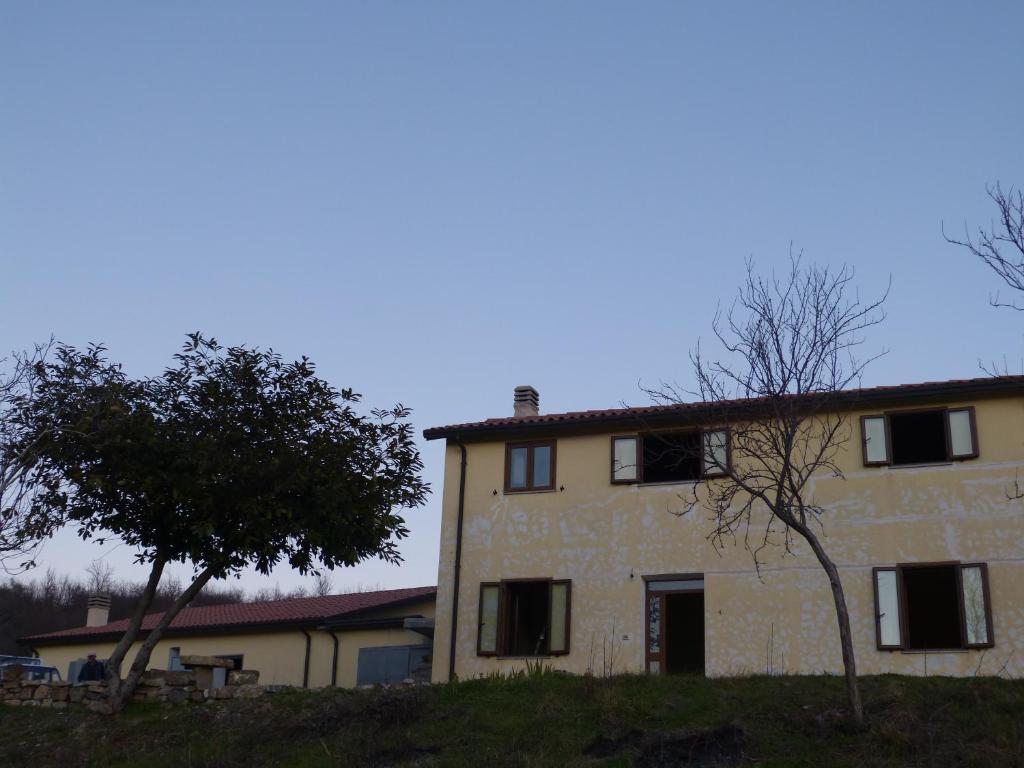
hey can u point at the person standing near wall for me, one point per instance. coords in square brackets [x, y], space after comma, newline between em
[92, 670]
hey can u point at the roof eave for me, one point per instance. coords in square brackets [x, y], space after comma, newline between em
[694, 414]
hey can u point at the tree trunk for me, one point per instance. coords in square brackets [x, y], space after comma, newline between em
[127, 686]
[113, 668]
[843, 617]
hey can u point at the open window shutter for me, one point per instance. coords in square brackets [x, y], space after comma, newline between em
[715, 455]
[976, 614]
[962, 433]
[487, 639]
[887, 608]
[560, 611]
[624, 466]
[875, 440]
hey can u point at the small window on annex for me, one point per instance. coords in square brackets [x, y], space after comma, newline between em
[524, 618]
[670, 457]
[530, 466]
[940, 606]
[903, 438]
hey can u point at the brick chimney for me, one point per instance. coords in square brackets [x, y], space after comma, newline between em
[527, 401]
[99, 611]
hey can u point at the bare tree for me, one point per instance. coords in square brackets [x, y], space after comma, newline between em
[323, 585]
[790, 345]
[17, 386]
[1001, 246]
[99, 577]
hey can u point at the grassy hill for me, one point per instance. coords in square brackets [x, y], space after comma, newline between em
[550, 720]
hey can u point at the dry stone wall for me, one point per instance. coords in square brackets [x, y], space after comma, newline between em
[156, 685]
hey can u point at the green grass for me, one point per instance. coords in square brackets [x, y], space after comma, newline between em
[550, 720]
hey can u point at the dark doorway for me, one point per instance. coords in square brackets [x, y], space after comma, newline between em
[684, 632]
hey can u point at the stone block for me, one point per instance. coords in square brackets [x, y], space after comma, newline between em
[224, 692]
[152, 681]
[204, 677]
[248, 692]
[180, 678]
[12, 702]
[197, 696]
[25, 693]
[243, 677]
[97, 688]
[42, 692]
[59, 693]
[206, 661]
[176, 696]
[76, 694]
[59, 704]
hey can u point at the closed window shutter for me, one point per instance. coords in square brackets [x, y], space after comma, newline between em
[560, 611]
[974, 593]
[960, 423]
[716, 452]
[487, 641]
[887, 608]
[875, 440]
[624, 465]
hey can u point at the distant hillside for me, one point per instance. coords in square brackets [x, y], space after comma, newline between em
[550, 720]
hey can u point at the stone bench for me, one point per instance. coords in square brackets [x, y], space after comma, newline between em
[203, 667]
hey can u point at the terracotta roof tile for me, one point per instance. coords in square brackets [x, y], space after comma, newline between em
[580, 418]
[235, 615]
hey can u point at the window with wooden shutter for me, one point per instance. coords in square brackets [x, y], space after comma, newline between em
[715, 456]
[932, 606]
[624, 459]
[525, 617]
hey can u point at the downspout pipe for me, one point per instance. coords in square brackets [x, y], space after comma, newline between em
[334, 658]
[458, 561]
[305, 665]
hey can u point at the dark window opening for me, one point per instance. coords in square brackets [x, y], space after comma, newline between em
[527, 617]
[933, 607]
[671, 457]
[919, 437]
[684, 632]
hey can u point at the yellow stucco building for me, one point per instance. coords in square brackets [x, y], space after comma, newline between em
[561, 543]
[344, 640]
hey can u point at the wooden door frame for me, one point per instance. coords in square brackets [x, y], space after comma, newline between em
[648, 580]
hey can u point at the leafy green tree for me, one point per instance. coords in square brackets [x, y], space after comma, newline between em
[231, 458]
[17, 385]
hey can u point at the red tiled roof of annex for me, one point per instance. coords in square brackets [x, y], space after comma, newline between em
[228, 615]
[925, 388]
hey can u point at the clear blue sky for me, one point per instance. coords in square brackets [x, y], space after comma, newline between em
[439, 201]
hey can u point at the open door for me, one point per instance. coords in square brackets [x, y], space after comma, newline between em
[675, 624]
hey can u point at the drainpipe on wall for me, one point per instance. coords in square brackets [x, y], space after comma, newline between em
[305, 666]
[458, 561]
[334, 658]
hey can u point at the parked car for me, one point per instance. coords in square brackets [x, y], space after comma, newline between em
[33, 671]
